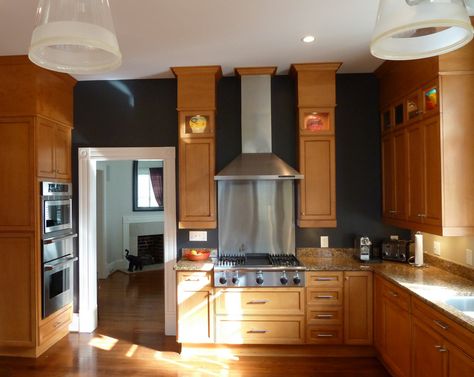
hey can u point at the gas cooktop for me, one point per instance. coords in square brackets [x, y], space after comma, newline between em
[258, 269]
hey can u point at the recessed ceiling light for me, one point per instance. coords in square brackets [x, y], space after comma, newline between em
[308, 39]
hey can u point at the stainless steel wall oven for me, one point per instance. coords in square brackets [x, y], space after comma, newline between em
[56, 209]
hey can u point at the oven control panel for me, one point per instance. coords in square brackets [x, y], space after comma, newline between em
[258, 278]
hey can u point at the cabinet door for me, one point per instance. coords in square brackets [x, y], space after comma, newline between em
[379, 325]
[432, 172]
[317, 191]
[45, 142]
[17, 168]
[62, 152]
[415, 173]
[197, 207]
[429, 356]
[195, 317]
[388, 175]
[459, 364]
[358, 307]
[17, 296]
[397, 338]
[400, 163]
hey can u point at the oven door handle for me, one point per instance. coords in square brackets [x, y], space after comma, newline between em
[51, 267]
[51, 240]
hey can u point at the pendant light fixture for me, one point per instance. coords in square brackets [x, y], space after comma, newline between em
[414, 29]
[75, 36]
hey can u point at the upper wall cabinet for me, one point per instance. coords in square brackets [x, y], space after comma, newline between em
[428, 148]
[316, 93]
[196, 123]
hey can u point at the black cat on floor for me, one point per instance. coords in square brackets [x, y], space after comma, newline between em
[134, 262]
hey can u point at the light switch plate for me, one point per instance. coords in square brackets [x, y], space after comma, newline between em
[324, 241]
[437, 247]
[197, 235]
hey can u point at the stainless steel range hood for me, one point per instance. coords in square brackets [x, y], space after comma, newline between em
[257, 162]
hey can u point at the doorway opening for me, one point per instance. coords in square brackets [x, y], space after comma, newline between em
[89, 226]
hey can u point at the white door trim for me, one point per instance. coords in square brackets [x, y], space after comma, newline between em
[88, 158]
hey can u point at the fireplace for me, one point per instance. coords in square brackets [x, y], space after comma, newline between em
[150, 248]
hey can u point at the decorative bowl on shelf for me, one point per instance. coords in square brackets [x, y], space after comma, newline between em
[197, 254]
[198, 124]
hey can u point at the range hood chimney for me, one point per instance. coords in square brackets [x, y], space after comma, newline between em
[257, 162]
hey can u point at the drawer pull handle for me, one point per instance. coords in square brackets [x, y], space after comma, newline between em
[443, 325]
[193, 279]
[57, 324]
[441, 349]
[325, 279]
[257, 331]
[325, 297]
[393, 294]
[324, 316]
[258, 302]
[325, 335]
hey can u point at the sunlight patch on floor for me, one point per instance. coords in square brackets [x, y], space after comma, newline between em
[131, 350]
[103, 342]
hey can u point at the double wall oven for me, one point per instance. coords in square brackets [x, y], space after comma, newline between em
[57, 246]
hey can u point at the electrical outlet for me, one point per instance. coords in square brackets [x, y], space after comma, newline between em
[394, 237]
[437, 247]
[469, 256]
[324, 241]
[195, 235]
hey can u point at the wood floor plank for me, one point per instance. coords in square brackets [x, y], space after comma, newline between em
[130, 342]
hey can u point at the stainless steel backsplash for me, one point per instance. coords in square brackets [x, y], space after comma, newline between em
[256, 216]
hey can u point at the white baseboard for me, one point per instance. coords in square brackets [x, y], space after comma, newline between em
[74, 326]
[170, 324]
[117, 265]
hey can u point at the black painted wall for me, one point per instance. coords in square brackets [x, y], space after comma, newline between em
[142, 113]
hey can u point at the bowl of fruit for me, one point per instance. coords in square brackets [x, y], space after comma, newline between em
[197, 254]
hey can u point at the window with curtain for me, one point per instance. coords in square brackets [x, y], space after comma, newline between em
[147, 185]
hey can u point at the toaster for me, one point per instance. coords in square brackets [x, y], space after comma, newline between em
[396, 250]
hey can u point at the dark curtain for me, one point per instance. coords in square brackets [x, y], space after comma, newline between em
[156, 177]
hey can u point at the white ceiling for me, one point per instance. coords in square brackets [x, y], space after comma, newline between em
[157, 34]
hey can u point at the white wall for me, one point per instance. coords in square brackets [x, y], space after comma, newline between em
[117, 204]
[452, 248]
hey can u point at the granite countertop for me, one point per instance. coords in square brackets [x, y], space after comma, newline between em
[188, 265]
[431, 284]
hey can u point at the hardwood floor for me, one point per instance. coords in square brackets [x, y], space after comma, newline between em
[130, 342]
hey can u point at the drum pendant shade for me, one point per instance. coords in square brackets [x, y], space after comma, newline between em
[75, 36]
[414, 29]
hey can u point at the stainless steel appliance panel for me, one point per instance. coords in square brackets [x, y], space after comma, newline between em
[256, 216]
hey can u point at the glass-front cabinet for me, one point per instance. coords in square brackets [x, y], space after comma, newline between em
[318, 121]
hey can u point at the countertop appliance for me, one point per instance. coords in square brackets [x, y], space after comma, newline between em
[258, 270]
[369, 251]
[396, 250]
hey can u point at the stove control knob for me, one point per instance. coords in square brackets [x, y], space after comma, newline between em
[283, 279]
[222, 280]
[259, 279]
[296, 279]
[235, 279]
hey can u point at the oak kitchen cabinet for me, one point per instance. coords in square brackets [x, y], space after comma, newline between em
[196, 123]
[339, 307]
[35, 128]
[195, 315]
[392, 326]
[427, 107]
[316, 100]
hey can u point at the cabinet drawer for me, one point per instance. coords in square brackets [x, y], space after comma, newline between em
[194, 280]
[260, 330]
[324, 296]
[324, 334]
[324, 279]
[324, 315]
[57, 323]
[260, 301]
[397, 295]
[458, 335]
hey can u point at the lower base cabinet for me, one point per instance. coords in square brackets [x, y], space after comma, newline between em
[429, 356]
